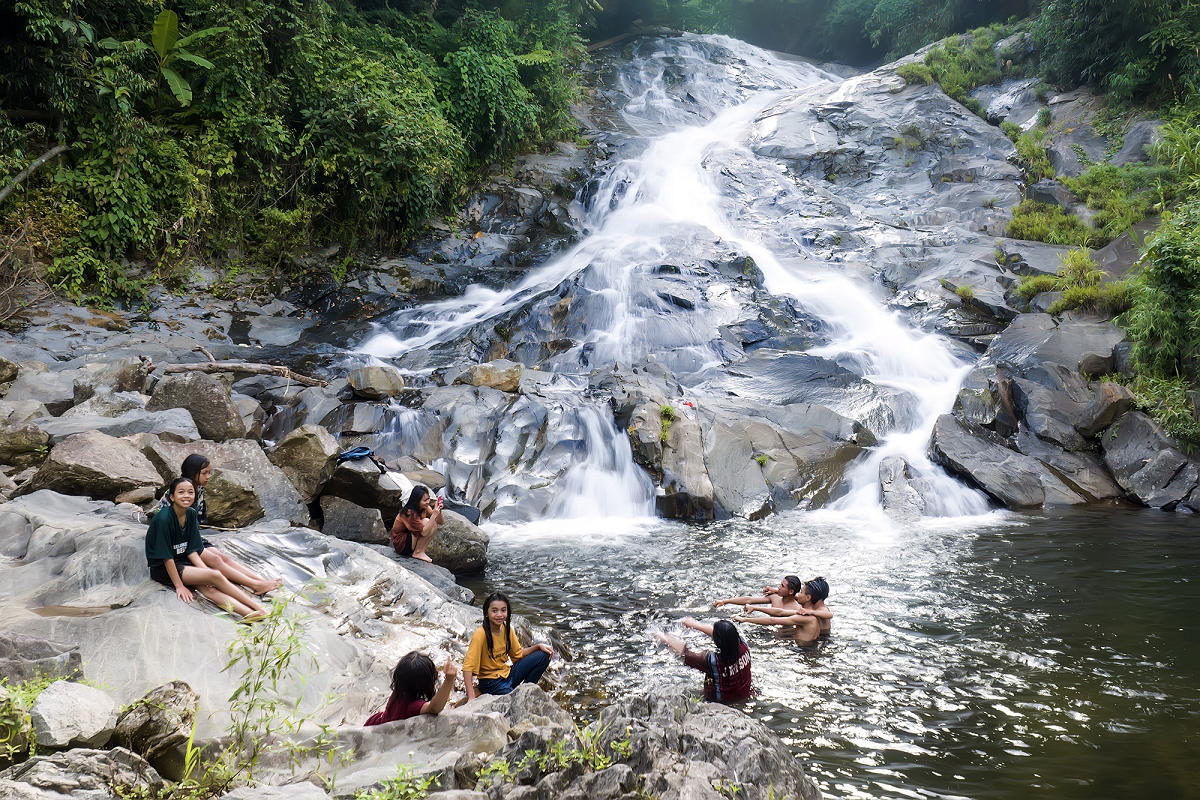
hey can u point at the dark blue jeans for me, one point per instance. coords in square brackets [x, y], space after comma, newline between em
[528, 670]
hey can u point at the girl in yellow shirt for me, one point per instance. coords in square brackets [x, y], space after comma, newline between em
[493, 646]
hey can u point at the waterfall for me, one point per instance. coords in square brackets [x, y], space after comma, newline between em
[693, 111]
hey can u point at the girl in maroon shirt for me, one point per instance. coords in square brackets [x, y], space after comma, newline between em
[413, 692]
[727, 670]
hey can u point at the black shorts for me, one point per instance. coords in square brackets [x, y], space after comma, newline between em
[158, 571]
[407, 549]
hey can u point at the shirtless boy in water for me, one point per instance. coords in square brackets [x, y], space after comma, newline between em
[783, 596]
[812, 619]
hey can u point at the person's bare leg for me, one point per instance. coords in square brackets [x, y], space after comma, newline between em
[214, 558]
[419, 545]
[194, 576]
[222, 600]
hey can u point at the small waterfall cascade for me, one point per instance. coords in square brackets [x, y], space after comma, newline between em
[693, 100]
[602, 481]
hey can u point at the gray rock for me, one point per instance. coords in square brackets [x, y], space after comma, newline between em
[118, 376]
[1032, 339]
[24, 658]
[310, 406]
[308, 456]
[976, 455]
[95, 465]
[216, 416]
[1145, 461]
[17, 411]
[528, 704]
[55, 390]
[359, 482]
[1109, 401]
[160, 721]
[1139, 141]
[107, 403]
[502, 375]
[291, 791]
[23, 445]
[902, 501]
[275, 492]
[68, 714]
[459, 546]
[1050, 401]
[8, 370]
[253, 414]
[1083, 472]
[354, 523]
[231, 499]
[80, 774]
[681, 747]
[277, 331]
[376, 383]
[173, 424]
[1062, 146]
[1052, 193]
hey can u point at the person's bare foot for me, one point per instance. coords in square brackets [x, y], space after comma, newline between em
[268, 586]
[422, 557]
[255, 616]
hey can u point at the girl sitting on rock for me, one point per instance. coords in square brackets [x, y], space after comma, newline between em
[493, 646]
[726, 670]
[173, 549]
[413, 693]
[197, 469]
[812, 619]
[417, 523]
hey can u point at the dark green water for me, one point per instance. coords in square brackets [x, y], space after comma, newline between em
[1018, 656]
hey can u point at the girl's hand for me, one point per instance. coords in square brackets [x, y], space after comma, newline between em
[688, 622]
[748, 609]
[439, 503]
[184, 594]
[449, 670]
[547, 649]
[739, 618]
[720, 603]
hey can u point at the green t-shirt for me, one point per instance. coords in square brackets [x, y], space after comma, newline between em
[166, 540]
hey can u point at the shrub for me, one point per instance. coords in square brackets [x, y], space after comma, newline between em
[1041, 222]
[913, 72]
[1123, 195]
[1167, 400]
[1033, 156]
[960, 68]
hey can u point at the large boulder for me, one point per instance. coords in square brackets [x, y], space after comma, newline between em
[231, 499]
[68, 714]
[122, 376]
[15, 412]
[902, 497]
[81, 774]
[1144, 459]
[361, 482]
[1084, 472]
[23, 445]
[159, 722]
[459, 546]
[217, 417]
[376, 383]
[23, 658]
[308, 456]
[95, 465]
[278, 497]
[979, 457]
[55, 390]
[8, 370]
[1109, 402]
[352, 522]
[173, 424]
[502, 374]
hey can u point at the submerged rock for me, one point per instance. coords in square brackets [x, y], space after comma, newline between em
[902, 500]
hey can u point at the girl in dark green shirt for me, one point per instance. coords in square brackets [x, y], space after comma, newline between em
[173, 547]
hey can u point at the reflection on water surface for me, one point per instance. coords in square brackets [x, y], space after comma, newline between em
[1019, 656]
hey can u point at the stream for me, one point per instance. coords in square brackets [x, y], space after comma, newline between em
[975, 654]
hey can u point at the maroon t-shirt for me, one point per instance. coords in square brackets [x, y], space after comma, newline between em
[722, 683]
[397, 709]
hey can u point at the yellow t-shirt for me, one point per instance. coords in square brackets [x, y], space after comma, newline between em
[494, 664]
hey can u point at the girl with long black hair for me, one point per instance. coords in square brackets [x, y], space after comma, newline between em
[413, 691]
[726, 670]
[494, 645]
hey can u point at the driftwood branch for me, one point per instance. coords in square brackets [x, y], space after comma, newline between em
[25, 173]
[246, 368]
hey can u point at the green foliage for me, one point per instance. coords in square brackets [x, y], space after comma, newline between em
[1167, 400]
[1164, 322]
[1045, 117]
[1041, 222]
[1179, 148]
[1123, 195]
[666, 415]
[1081, 282]
[1131, 48]
[961, 66]
[296, 123]
[762, 459]
[965, 293]
[913, 72]
[1032, 154]
[17, 740]
[405, 786]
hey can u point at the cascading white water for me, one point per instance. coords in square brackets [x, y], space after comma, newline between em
[603, 483]
[670, 195]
